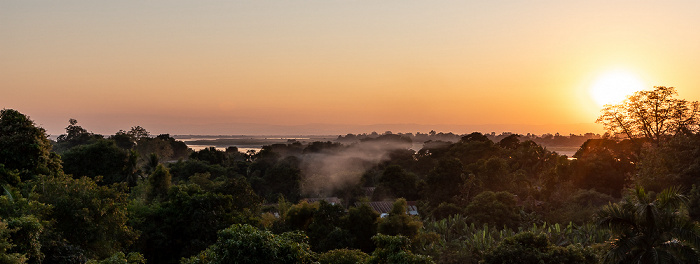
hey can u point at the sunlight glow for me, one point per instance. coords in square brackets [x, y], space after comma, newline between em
[613, 87]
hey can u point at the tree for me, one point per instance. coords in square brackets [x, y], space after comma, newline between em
[24, 218]
[186, 222]
[362, 223]
[158, 183]
[325, 231]
[510, 142]
[652, 115]
[442, 184]
[27, 230]
[6, 246]
[648, 228]
[496, 209]
[87, 216]
[604, 165]
[399, 222]
[123, 140]
[398, 182]
[75, 135]
[25, 147]
[247, 244]
[300, 215]
[138, 132]
[343, 256]
[673, 162]
[102, 158]
[530, 248]
[121, 258]
[395, 249]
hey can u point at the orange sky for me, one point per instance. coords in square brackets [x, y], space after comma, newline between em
[199, 66]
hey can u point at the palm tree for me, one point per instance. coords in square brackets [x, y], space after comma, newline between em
[649, 228]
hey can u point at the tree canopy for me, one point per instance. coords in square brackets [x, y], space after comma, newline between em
[651, 115]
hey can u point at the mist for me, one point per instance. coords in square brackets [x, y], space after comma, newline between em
[331, 169]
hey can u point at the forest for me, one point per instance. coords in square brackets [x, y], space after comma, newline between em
[631, 195]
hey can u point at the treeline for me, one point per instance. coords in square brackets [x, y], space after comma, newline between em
[135, 198]
[546, 140]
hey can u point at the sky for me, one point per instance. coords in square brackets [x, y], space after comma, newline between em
[336, 66]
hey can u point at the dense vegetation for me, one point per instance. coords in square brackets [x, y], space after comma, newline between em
[136, 198]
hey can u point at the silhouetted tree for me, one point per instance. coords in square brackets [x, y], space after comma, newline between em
[24, 147]
[651, 114]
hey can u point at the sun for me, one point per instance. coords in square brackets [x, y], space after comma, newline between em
[614, 86]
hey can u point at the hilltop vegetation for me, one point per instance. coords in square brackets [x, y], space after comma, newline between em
[135, 198]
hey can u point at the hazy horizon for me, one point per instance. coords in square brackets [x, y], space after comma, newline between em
[328, 129]
[209, 67]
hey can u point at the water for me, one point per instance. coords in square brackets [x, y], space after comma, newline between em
[568, 151]
[245, 143]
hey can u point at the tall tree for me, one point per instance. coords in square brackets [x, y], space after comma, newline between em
[24, 147]
[362, 223]
[651, 115]
[159, 182]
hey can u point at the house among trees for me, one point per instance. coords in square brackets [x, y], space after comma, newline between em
[330, 200]
[384, 207]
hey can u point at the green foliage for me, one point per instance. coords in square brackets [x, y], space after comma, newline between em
[282, 178]
[158, 183]
[694, 203]
[13, 204]
[445, 210]
[398, 183]
[236, 186]
[88, 216]
[182, 170]
[399, 222]
[186, 222]
[9, 177]
[163, 146]
[343, 256]
[604, 165]
[461, 242]
[362, 223]
[123, 140]
[146, 146]
[102, 158]
[326, 231]
[22, 216]
[120, 258]
[579, 206]
[217, 157]
[648, 228]
[496, 209]
[6, 247]
[531, 248]
[247, 244]
[300, 215]
[443, 182]
[464, 242]
[25, 147]
[674, 162]
[395, 250]
[494, 174]
[27, 231]
[75, 136]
